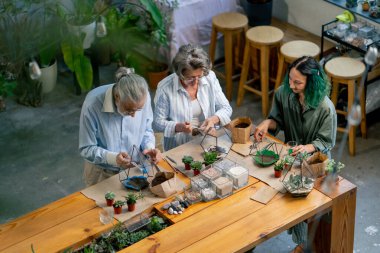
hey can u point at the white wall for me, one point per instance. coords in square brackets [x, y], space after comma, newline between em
[309, 15]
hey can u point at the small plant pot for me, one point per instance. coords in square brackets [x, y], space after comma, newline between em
[117, 210]
[365, 6]
[109, 202]
[286, 166]
[277, 173]
[131, 207]
[187, 166]
[196, 172]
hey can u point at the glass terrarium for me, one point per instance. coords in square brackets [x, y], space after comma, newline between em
[192, 195]
[211, 173]
[208, 194]
[239, 176]
[223, 186]
[267, 155]
[299, 181]
[214, 142]
[199, 182]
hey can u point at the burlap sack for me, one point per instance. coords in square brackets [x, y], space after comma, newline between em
[163, 184]
[315, 165]
[241, 130]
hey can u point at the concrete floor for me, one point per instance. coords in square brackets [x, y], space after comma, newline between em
[39, 161]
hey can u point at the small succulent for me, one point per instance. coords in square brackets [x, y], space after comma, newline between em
[196, 165]
[279, 165]
[332, 164]
[118, 203]
[187, 159]
[132, 198]
[110, 195]
[210, 157]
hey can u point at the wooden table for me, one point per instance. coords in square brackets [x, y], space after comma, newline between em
[233, 224]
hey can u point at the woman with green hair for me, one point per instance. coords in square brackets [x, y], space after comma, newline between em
[302, 109]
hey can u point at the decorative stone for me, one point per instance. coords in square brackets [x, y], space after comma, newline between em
[170, 211]
[166, 206]
[175, 212]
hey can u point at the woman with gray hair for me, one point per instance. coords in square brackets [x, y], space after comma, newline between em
[114, 119]
[190, 98]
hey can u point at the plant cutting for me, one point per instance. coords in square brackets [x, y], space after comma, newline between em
[118, 206]
[278, 168]
[131, 200]
[110, 197]
[333, 168]
[196, 166]
[187, 161]
[210, 157]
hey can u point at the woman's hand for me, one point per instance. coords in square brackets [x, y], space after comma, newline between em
[308, 148]
[208, 125]
[262, 130]
[183, 127]
[154, 154]
[123, 160]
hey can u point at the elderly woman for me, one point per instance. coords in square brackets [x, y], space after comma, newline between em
[302, 109]
[114, 119]
[189, 98]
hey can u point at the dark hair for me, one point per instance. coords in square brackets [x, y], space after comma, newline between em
[317, 83]
[191, 57]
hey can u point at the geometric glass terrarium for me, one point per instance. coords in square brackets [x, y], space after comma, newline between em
[210, 143]
[266, 156]
[299, 180]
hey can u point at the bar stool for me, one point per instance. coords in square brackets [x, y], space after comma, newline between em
[291, 51]
[348, 71]
[230, 24]
[262, 39]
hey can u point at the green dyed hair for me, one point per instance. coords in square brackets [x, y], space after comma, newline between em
[317, 84]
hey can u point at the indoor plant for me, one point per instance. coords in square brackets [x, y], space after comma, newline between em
[278, 168]
[118, 206]
[196, 166]
[210, 157]
[332, 169]
[110, 197]
[187, 161]
[131, 200]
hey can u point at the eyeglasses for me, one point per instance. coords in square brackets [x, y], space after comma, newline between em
[191, 80]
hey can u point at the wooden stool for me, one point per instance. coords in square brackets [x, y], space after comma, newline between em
[230, 24]
[261, 38]
[291, 51]
[348, 71]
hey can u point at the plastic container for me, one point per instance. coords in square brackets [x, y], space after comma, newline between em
[239, 176]
[211, 173]
[208, 194]
[223, 187]
[199, 182]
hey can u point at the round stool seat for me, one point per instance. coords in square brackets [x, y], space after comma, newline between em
[264, 35]
[293, 50]
[230, 21]
[344, 68]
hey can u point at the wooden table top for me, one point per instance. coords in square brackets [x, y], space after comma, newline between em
[235, 223]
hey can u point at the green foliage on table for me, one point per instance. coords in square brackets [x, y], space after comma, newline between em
[156, 224]
[196, 165]
[187, 159]
[132, 198]
[332, 164]
[118, 203]
[279, 165]
[109, 195]
[210, 157]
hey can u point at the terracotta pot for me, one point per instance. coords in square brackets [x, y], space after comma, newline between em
[365, 6]
[109, 202]
[196, 172]
[155, 77]
[131, 207]
[117, 210]
[277, 173]
[187, 166]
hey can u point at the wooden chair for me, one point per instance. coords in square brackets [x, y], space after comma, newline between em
[259, 39]
[291, 51]
[232, 25]
[348, 71]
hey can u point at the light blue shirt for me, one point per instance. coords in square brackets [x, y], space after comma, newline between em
[173, 105]
[103, 132]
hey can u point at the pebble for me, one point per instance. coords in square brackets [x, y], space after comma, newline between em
[166, 206]
[179, 212]
[175, 203]
[175, 212]
[170, 210]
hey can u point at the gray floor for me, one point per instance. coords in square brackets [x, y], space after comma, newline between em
[39, 161]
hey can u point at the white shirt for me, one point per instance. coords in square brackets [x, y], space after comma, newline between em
[197, 118]
[173, 105]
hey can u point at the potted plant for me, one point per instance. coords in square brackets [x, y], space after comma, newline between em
[118, 206]
[210, 157]
[278, 168]
[196, 166]
[187, 161]
[110, 197]
[131, 200]
[288, 161]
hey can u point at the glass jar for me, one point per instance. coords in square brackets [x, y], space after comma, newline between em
[222, 186]
[199, 182]
[193, 195]
[208, 194]
[211, 173]
[224, 165]
[239, 176]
